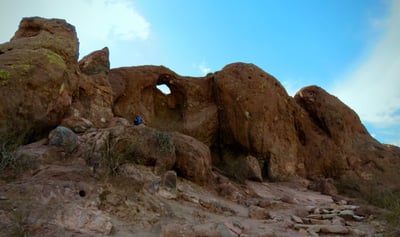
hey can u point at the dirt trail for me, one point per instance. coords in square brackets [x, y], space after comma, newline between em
[63, 197]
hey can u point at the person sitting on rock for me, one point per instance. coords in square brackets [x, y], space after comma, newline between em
[138, 120]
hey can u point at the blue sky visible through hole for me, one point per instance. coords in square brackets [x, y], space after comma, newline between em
[164, 89]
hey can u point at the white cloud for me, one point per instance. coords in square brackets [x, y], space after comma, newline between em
[98, 23]
[203, 68]
[373, 88]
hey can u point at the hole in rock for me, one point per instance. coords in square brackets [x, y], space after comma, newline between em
[82, 193]
[168, 106]
[164, 88]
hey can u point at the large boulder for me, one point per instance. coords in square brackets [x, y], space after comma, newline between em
[256, 117]
[193, 159]
[111, 147]
[332, 116]
[37, 78]
[337, 144]
[63, 137]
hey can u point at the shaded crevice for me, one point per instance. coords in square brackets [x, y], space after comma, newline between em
[265, 166]
[320, 122]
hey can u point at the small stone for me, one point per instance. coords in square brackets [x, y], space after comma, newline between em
[334, 229]
[233, 228]
[63, 137]
[319, 222]
[316, 211]
[297, 219]
[169, 180]
[166, 194]
[337, 220]
[358, 218]
[357, 233]
[289, 199]
[342, 202]
[347, 214]
[3, 198]
[258, 213]
[310, 209]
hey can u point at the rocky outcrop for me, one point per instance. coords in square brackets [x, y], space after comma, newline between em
[112, 147]
[94, 99]
[240, 116]
[336, 144]
[256, 116]
[96, 62]
[193, 159]
[189, 108]
[37, 78]
[93, 172]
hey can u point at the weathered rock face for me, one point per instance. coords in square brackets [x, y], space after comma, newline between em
[55, 35]
[189, 108]
[238, 112]
[193, 159]
[96, 62]
[37, 78]
[142, 145]
[335, 143]
[334, 118]
[94, 99]
[256, 116]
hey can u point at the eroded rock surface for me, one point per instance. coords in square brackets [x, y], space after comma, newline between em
[107, 176]
[37, 78]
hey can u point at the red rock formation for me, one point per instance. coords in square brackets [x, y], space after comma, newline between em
[37, 78]
[193, 159]
[189, 108]
[96, 62]
[256, 116]
[238, 112]
[337, 144]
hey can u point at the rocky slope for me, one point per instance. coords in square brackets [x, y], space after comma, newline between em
[73, 164]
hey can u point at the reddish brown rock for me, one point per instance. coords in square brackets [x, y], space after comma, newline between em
[256, 114]
[189, 109]
[193, 159]
[55, 35]
[96, 62]
[94, 100]
[336, 143]
[331, 115]
[37, 78]
[77, 124]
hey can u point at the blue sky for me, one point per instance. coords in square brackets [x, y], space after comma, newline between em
[349, 47]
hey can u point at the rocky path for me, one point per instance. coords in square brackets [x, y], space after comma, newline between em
[63, 197]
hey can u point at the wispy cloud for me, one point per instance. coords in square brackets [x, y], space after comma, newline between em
[203, 68]
[373, 88]
[98, 22]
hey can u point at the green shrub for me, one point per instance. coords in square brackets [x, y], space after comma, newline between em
[388, 200]
[376, 195]
[8, 158]
[111, 159]
[4, 77]
[164, 142]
